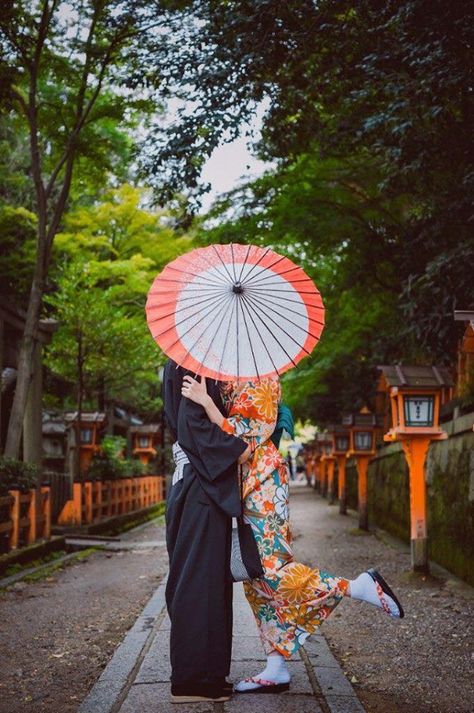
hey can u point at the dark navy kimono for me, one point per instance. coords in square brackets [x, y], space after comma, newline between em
[199, 513]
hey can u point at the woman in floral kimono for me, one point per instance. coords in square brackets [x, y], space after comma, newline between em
[291, 600]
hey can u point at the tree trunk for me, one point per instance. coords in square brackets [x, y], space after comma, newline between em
[25, 362]
[80, 389]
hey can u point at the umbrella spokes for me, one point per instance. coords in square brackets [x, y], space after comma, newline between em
[235, 311]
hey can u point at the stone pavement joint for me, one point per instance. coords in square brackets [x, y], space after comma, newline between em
[113, 545]
[137, 677]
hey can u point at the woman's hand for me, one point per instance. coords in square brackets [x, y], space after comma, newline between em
[195, 390]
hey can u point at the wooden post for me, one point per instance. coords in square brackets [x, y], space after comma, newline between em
[362, 462]
[415, 452]
[341, 484]
[32, 511]
[315, 466]
[46, 511]
[330, 472]
[322, 478]
[88, 501]
[71, 514]
[15, 516]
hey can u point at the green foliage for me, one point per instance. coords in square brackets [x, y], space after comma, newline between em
[113, 447]
[17, 254]
[17, 474]
[386, 83]
[368, 120]
[104, 263]
[72, 60]
[330, 218]
[110, 463]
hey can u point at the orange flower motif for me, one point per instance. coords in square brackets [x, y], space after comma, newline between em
[299, 583]
[265, 398]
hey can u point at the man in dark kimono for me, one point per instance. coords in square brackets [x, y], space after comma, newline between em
[200, 505]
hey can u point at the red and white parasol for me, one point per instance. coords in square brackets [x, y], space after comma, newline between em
[235, 312]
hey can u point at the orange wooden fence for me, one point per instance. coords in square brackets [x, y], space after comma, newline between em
[26, 517]
[95, 501]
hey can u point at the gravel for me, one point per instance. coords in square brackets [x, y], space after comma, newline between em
[58, 633]
[420, 664]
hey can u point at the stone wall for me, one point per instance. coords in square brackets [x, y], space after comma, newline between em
[450, 487]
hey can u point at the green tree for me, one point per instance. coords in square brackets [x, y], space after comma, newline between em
[100, 347]
[63, 68]
[390, 81]
[103, 264]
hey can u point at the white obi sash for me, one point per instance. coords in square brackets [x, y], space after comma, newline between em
[180, 459]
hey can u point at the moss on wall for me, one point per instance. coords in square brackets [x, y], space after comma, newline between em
[450, 489]
[449, 476]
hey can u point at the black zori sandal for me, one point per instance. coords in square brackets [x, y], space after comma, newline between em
[196, 692]
[383, 588]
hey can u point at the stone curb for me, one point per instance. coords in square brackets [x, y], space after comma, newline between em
[106, 692]
[327, 678]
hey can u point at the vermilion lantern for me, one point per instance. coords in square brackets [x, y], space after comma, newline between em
[145, 440]
[341, 445]
[362, 448]
[416, 395]
[328, 460]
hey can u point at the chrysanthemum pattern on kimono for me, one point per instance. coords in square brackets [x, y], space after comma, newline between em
[291, 600]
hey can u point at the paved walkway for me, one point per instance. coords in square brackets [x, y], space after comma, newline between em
[137, 677]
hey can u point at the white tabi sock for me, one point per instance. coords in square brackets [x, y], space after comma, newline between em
[276, 671]
[364, 588]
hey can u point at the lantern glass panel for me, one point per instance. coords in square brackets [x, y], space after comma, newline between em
[86, 435]
[419, 409]
[342, 443]
[363, 440]
[143, 441]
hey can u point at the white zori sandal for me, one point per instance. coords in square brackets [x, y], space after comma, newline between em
[383, 588]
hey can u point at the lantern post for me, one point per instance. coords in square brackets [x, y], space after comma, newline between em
[329, 460]
[341, 443]
[323, 470]
[317, 465]
[416, 395]
[362, 448]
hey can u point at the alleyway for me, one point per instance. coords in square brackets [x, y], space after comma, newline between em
[61, 633]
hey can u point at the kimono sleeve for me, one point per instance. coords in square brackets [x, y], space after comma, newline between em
[255, 413]
[211, 450]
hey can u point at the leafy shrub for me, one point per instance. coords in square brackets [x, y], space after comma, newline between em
[110, 465]
[17, 474]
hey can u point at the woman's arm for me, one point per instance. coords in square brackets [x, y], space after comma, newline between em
[197, 392]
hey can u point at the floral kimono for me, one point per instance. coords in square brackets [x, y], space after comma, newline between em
[291, 600]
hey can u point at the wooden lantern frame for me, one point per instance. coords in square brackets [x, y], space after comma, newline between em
[397, 403]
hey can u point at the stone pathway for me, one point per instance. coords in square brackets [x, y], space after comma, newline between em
[137, 677]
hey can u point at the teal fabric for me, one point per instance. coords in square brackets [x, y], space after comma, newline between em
[285, 422]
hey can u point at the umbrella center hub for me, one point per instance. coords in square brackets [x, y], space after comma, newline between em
[237, 288]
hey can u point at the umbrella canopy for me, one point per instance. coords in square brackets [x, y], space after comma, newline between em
[235, 312]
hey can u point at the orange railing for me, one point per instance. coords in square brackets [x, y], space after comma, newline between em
[98, 500]
[26, 517]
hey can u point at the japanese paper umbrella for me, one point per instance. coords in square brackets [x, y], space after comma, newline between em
[235, 312]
